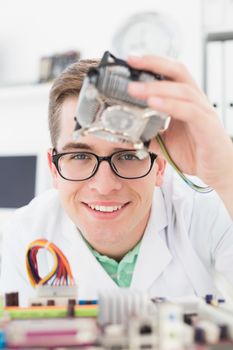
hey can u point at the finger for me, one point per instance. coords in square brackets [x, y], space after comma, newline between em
[168, 89]
[168, 67]
[179, 110]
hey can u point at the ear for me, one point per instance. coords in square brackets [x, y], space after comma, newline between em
[52, 168]
[161, 165]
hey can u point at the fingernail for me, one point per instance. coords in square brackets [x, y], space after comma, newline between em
[136, 88]
[155, 102]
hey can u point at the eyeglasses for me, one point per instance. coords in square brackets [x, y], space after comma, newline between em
[80, 166]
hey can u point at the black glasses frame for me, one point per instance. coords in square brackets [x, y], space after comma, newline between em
[56, 156]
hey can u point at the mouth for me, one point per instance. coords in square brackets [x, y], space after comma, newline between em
[104, 210]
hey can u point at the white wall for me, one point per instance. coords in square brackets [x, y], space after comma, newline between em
[33, 28]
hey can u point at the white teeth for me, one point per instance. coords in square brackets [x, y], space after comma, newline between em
[104, 208]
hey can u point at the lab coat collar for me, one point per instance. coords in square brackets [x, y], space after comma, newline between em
[180, 201]
[154, 255]
[175, 190]
[158, 214]
[89, 275]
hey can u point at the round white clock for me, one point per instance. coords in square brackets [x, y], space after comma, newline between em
[148, 33]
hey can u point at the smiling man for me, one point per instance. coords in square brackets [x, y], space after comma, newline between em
[119, 215]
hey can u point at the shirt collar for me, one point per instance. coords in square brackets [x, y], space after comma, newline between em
[128, 257]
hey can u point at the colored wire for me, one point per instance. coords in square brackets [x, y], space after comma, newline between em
[59, 275]
[179, 172]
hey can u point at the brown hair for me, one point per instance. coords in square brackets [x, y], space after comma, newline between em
[69, 83]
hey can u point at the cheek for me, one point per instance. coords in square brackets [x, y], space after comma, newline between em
[144, 189]
[68, 191]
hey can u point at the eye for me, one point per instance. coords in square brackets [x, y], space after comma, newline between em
[137, 155]
[128, 156]
[80, 156]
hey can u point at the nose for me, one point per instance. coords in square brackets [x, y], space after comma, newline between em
[105, 181]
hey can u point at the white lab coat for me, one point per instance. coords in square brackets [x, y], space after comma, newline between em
[188, 236]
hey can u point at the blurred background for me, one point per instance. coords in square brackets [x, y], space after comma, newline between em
[39, 38]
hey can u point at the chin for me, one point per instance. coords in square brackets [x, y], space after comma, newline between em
[104, 237]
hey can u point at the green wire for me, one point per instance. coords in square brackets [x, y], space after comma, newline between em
[179, 172]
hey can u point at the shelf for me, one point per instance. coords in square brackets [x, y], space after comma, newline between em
[219, 36]
[19, 91]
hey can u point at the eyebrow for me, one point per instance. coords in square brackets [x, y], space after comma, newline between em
[75, 145]
[78, 145]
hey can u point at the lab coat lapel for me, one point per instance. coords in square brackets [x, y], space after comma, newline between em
[88, 273]
[178, 234]
[198, 273]
[154, 255]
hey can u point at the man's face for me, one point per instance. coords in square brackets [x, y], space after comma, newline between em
[112, 233]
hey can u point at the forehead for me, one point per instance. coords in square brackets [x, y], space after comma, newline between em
[66, 141]
[67, 115]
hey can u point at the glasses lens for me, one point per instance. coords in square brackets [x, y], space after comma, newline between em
[131, 164]
[77, 166]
